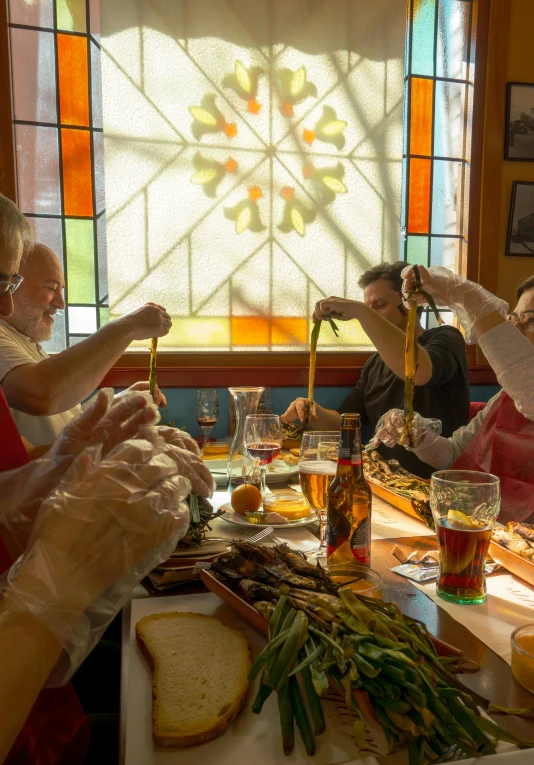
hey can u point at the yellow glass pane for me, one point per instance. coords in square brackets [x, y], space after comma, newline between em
[80, 260]
[199, 332]
[71, 15]
[289, 331]
[251, 330]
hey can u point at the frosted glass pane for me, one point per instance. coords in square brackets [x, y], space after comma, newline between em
[103, 312]
[37, 169]
[96, 84]
[80, 261]
[450, 119]
[452, 42]
[58, 341]
[71, 15]
[48, 231]
[446, 197]
[224, 191]
[445, 251]
[98, 144]
[417, 252]
[34, 14]
[102, 257]
[94, 10]
[423, 37]
[34, 75]
[76, 340]
[82, 320]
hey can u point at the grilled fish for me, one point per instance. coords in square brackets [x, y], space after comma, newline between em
[525, 530]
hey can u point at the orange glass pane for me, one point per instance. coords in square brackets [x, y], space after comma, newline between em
[77, 181]
[421, 116]
[251, 330]
[290, 331]
[419, 196]
[73, 80]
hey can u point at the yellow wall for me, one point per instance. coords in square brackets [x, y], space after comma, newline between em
[510, 59]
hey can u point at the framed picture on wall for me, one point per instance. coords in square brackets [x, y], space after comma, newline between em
[519, 137]
[520, 240]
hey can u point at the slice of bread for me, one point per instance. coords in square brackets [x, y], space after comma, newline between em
[200, 675]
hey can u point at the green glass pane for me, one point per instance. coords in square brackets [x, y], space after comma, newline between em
[103, 312]
[424, 16]
[80, 260]
[417, 250]
[71, 15]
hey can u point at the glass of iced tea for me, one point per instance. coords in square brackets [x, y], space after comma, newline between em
[317, 468]
[465, 505]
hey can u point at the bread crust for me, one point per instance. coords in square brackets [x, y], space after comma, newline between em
[167, 738]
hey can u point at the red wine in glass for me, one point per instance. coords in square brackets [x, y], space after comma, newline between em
[206, 422]
[265, 451]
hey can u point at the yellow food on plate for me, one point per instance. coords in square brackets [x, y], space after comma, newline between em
[215, 451]
[200, 676]
[295, 452]
[291, 459]
[246, 499]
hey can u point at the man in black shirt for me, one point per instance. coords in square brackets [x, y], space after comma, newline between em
[442, 381]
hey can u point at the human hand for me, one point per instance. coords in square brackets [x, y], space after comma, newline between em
[104, 528]
[297, 411]
[151, 320]
[391, 425]
[23, 490]
[179, 438]
[467, 300]
[193, 468]
[159, 398]
[336, 308]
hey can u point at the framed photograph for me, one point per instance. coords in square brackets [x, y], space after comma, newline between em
[520, 240]
[519, 137]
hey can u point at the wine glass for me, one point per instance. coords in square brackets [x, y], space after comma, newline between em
[207, 411]
[263, 440]
[317, 468]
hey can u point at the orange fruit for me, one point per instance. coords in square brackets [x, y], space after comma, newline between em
[246, 499]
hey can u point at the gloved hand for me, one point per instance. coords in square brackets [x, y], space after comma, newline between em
[105, 527]
[179, 438]
[390, 426]
[159, 398]
[22, 490]
[193, 468]
[467, 300]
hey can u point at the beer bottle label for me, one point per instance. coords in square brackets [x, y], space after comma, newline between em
[350, 454]
[360, 542]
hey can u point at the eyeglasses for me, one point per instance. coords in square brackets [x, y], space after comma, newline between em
[10, 286]
[525, 322]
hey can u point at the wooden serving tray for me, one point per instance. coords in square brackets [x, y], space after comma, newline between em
[249, 613]
[513, 562]
[394, 499]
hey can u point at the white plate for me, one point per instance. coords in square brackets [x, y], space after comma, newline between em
[240, 520]
[282, 472]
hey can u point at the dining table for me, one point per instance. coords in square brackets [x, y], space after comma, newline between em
[481, 632]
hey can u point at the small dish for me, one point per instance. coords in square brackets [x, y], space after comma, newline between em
[288, 504]
[361, 580]
[258, 516]
[523, 656]
[230, 516]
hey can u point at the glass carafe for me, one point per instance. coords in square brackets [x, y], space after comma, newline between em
[246, 402]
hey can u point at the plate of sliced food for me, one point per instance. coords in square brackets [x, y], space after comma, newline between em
[513, 547]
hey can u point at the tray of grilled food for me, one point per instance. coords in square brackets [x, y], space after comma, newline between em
[397, 486]
[513, 547]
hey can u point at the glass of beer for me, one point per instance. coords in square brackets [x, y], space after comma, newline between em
[317, 468]
[465, 505]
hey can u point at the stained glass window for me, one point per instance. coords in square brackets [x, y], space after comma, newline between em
[257, 156]
[439, 91]
[57, 106]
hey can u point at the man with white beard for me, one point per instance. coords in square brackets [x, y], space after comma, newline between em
[44, 393]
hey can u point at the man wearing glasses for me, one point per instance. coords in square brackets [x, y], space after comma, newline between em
[500, 439]
[44, 393]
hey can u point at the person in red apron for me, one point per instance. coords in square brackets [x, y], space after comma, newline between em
[500, 439]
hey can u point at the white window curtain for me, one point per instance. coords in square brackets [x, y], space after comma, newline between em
[253, 156]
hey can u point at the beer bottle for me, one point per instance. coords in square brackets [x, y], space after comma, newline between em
[348, 535]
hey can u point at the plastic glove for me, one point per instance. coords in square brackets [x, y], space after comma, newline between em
[24, 489]
[390, 426]
[179, 438]
[467, 300]
[159, 398]
[103, 529]
[193, 468]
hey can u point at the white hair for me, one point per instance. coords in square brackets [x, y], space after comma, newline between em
[14, 228]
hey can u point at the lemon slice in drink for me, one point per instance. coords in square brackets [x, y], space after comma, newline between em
[458, 520]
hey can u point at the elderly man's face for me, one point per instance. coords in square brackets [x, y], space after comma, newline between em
[523, 314]
[9, 265]
[40, 295]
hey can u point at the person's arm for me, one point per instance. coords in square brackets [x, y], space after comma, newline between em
[511, 356]
[389, 341]
[60, 382]
[321, 418]
[33, 651]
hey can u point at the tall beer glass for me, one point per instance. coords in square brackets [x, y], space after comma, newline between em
[317, 468]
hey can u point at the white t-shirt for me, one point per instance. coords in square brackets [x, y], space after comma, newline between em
[15, 351]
